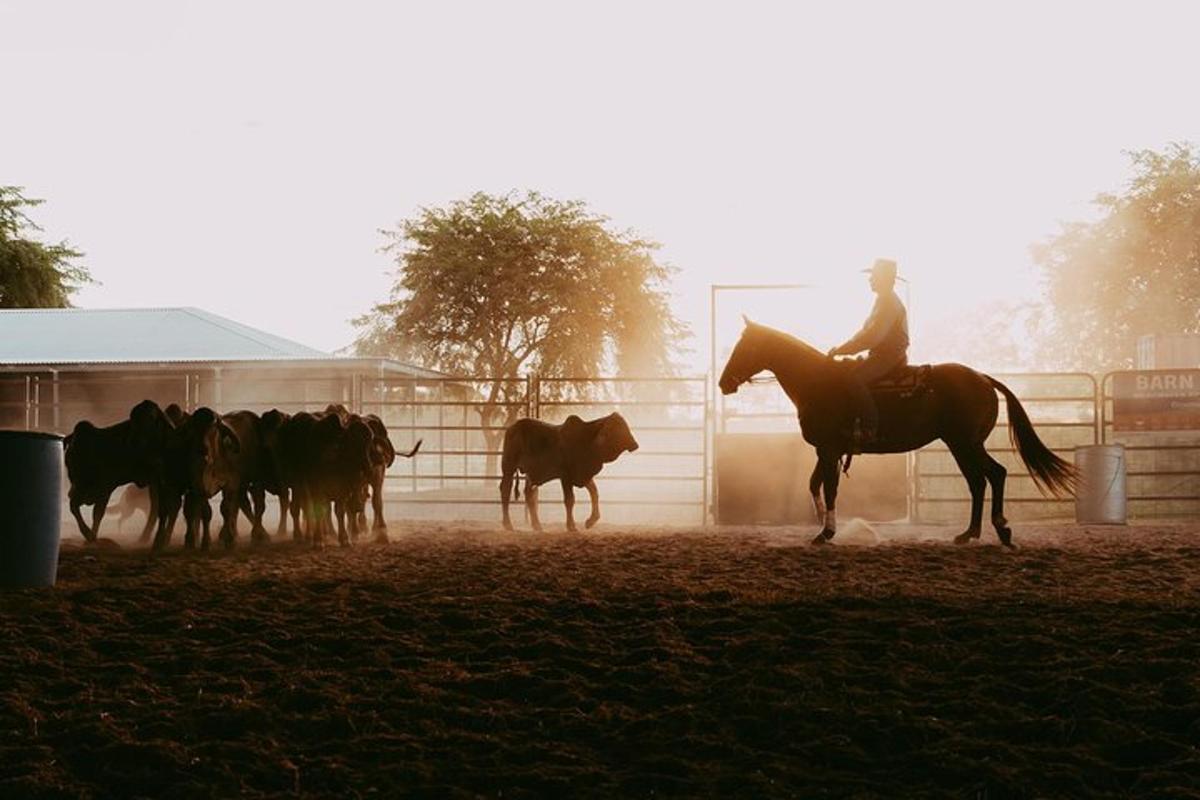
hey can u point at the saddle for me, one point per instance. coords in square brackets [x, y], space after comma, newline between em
[904, 381]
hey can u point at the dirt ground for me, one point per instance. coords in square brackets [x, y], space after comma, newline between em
[463, 661]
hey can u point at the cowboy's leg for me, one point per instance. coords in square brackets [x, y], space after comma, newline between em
[867, 372]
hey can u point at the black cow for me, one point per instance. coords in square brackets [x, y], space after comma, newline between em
[99, 460]
[573, 453]
[203, 457]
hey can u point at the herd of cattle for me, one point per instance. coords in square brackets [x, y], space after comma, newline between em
[320, 466]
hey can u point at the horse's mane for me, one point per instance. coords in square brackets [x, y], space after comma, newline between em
[788, 339]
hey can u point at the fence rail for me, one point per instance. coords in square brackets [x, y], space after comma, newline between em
[462, 418]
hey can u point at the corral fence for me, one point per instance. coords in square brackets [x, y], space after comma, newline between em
[1064, 410]
[1068, 410]
[1162, 467]
[461, 420]
[677, 421]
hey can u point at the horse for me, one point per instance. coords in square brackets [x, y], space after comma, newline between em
[956, 404]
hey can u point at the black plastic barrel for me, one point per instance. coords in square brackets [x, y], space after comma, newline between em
[31, 502]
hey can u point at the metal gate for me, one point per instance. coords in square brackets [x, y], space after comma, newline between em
[1063, 409]
[1162, 468]
[461, 421]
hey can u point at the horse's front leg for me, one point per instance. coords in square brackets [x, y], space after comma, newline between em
[814, 488]
[828, 464]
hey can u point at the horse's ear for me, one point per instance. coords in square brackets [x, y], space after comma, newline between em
[747, 320]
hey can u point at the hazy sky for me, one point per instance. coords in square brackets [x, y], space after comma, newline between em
[241, 157]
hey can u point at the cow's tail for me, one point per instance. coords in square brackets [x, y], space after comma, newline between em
[517, 486]
[1051, 474]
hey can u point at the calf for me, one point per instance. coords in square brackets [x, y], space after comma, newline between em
[573, 452]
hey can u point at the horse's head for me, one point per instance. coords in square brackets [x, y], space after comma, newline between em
[745, 361]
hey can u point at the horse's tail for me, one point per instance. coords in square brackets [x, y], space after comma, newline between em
[1051, 474]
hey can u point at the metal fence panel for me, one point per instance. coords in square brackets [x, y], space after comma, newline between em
[1162, 467]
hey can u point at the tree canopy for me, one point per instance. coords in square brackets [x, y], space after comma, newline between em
[1133, 271]
[33, 274]
[495, 286]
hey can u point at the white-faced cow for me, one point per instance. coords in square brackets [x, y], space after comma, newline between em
[573, 453]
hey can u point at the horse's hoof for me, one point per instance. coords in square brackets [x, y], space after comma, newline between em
[381, 537]
[823, 537]
[1005, 535]
[590, 522]
[965, 537]
[508, 526]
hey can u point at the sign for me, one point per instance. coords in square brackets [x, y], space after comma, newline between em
[1156, 400]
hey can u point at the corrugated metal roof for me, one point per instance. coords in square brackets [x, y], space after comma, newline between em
[137, 335]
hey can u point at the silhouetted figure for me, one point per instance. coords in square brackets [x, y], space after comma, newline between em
[943, 401]
[885, 338]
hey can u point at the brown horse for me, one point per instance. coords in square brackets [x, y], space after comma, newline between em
[956, 404]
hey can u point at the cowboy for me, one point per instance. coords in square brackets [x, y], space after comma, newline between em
[885, 338]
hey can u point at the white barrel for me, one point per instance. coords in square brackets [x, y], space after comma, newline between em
[1101, 496]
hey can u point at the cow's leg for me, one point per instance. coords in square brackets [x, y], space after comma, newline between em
[316, 523]
[378, 523]
[531, 506]
[168, 509]
[299, 506]
[281, 532]
[205, 509]
[830, 464]
[341, 511]
[258, 533]
[594, 497]
[229, 516]
[506, 482]
[88, 534]
[98, 512]
[152, 514]
[191, 519]
[569, 501]
[328, 517]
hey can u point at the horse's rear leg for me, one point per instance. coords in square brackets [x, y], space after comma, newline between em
[828, 464]
[996, 475]
[971, 460]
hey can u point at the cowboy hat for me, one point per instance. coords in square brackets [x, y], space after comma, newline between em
[883, 268]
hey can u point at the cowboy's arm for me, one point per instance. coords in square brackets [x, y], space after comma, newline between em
[872, 333]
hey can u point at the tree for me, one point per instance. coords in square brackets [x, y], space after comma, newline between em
[496, 286]
[33, 274]
[1134, 271]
